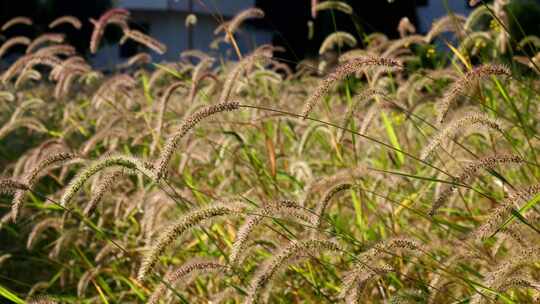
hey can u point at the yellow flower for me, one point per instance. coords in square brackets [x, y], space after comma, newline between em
[430, 52]
[494, 25]
[479, 43]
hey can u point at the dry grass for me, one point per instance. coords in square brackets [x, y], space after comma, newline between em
[247, 182]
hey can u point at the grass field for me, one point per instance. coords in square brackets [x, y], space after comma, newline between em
[404, 171]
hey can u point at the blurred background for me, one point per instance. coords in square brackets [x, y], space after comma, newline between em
[285, 23]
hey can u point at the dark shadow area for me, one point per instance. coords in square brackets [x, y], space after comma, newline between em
[43, 12]
[289, 19]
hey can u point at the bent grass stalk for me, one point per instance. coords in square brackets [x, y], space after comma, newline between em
[226, 162]
[193, 218]
[78, 181]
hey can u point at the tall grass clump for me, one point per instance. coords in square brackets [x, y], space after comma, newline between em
[378, 170]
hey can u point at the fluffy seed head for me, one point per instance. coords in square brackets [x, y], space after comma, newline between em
[117, 15]
[41, 300]
[30, 178]
[232, 26]
[279, 209]
[346, 69]
[47, 37]
[405, 27]
[261, 53]
[56, 50]
[466, 82]
[22, 40]
[330, 5]
[16, 20]
[140, 58]
[145, 40]
[112, 161]
[471, 171]
[164, 101]
[459, 124]
[107, 182]
[498, 277]
[323, 205]
[27, 62]
[451, 23]
[175, 275]
[366, 267]
[73, 21]
[268, 270]
[187, 125]
[55, 223]
[9, 186]
[174, 231]
[339, 39]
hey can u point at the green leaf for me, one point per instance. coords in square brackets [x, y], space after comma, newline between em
[357, 210]
[146, 88]
[168, 70]
[5, 293]
[393, 138]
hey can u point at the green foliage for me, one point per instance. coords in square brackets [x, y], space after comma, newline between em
[392, 173]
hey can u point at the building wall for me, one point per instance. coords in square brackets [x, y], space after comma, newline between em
[169, 28]
[223, 7]
[435, 9]
[144, 4]
[227, 8]
[166, 23]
